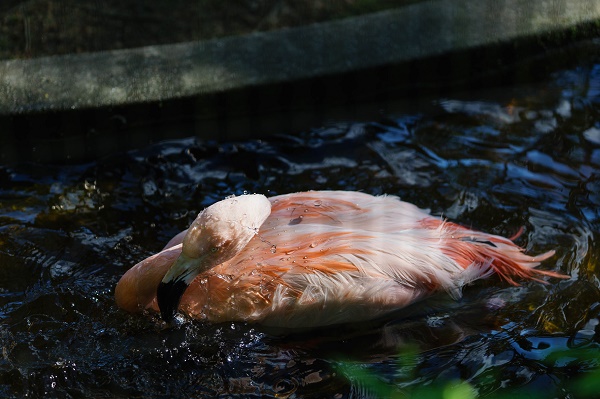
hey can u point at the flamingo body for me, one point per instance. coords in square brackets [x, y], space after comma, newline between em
[318, 258]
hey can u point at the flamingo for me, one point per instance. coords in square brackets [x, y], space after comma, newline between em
[315, 258]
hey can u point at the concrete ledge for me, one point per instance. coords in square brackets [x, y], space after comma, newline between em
[159, 73]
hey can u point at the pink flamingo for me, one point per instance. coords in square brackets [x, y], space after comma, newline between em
[314, 259]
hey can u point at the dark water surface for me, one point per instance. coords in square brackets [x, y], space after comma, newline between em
[496, 160]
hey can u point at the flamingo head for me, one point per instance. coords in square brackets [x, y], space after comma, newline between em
[219, 233]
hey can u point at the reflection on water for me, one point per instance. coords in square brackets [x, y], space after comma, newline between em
[489, 160]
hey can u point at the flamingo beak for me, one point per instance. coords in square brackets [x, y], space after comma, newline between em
[173, 285]
[169, 295]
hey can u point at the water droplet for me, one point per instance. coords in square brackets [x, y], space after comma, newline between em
[313, 244]
[306, 257]
[273, 248]
[305, 211]
[291, 251]
[318, 202]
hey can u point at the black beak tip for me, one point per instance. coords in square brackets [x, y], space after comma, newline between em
[168, 296]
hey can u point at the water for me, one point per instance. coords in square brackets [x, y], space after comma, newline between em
[495, 160]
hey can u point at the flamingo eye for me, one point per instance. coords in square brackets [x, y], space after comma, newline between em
[214, 249]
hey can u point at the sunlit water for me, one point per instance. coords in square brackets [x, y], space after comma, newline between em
[496, 160]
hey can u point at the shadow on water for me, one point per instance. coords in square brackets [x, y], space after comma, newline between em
[494, 160]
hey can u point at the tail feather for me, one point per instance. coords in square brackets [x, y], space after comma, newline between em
[508, 266]
[470, 248]
[517, 234]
